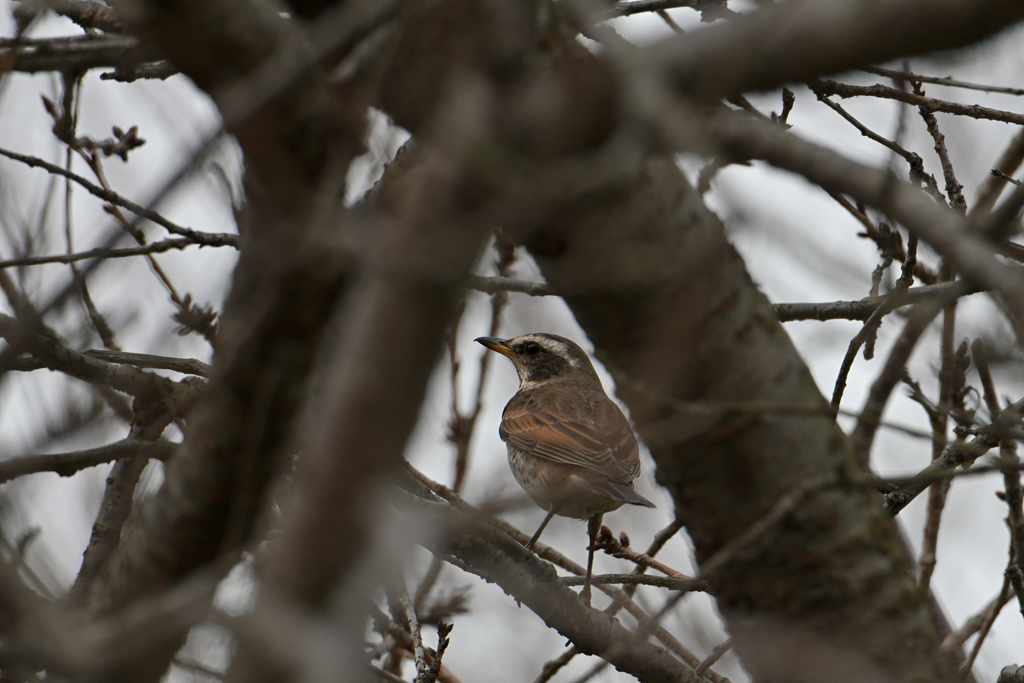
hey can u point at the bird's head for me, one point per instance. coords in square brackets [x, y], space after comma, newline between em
[540, 358]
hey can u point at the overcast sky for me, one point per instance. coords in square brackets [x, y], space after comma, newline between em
[798, 243]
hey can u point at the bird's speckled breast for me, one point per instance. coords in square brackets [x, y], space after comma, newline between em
[550, 484]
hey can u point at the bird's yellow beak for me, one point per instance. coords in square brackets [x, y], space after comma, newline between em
[495, 344]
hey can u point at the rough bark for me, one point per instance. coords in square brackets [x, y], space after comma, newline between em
[297, 147]
[667, 302]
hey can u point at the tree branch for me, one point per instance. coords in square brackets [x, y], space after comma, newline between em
[495, 556]
[195, 236]
[67, 464]
[127, 379]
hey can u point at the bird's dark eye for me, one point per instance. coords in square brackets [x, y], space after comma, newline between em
[532, 349]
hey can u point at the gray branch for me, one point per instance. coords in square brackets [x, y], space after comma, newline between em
[67, 464]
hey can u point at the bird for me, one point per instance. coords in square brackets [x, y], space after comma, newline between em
[569, 445]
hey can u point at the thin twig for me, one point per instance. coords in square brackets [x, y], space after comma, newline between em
[151, 418]
[992, 186]
[939, 418]
[1008, 178]
[672, 583]
[927, 103]
[187, 366]
[1013, 491]
[657, 543]
[443, 631]
[422, 666]
[151, 248]
[985, 629]
[197, 237]
[951, 82]
[386, 675]
[606, 542]
[931, 476]
[867, 424]
[555, 665]
[494, 285]
[161, 70]
[914, 159]
[954, 642]
[71, 106]
[123, 378]
[868, 331]
[954, 190]
[630, 7]
[955, 455]
[715, 655]
[88, 14]
[384, 625]
[195, 667]
[888, 241]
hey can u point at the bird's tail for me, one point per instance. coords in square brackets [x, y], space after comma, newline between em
[627, 494]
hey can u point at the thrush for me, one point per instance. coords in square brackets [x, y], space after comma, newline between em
[569, 445]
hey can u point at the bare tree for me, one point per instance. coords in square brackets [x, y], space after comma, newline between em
[539, 135]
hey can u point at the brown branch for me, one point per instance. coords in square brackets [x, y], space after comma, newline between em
[888, 484]
[954, 642]
[715, 655]
[40, 634]
[662, 537]
[151, 248]
[627, 8]
[992, 186]
[384, 625]
[670, 582]
[797, 42]
[67, 464]
[914, 159]
[789, 312]
[88, 14]
[555, 665]
[422, 666]
[461, 426]
[77, 54]
[608, 543]
[864, 308]
[488, 552]
[620, 599]
[951, 379]
[986, 627]
[951, 82]
[127, 379]
[1013, 491]
[1016, 579]
[187, 366]
[494, 285]
[926, 104]
[197, 237]
[888, 241]
[1008, 178]
[869, 330]
[955, 455]
[119, 495]
[130, 73]
[954, 190]
[945, 230]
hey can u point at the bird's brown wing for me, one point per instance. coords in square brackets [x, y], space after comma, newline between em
[604, 446]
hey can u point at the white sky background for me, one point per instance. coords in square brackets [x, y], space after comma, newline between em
[799, 245]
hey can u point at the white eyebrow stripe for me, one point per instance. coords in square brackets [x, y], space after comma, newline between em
[563, 350]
